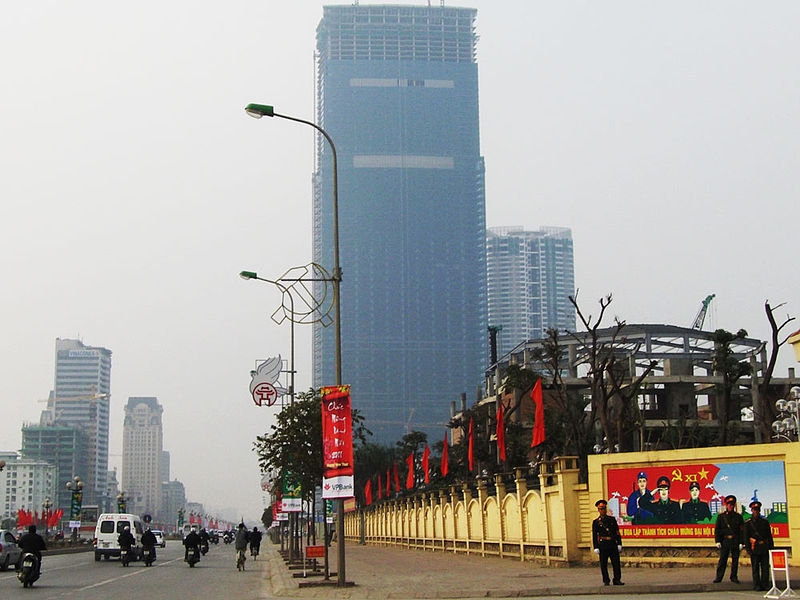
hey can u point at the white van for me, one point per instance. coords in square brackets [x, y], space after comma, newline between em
[109, 526]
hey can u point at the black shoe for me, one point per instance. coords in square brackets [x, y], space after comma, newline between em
[606, 583]
[718, 580]
[734, 580]
[618, 583]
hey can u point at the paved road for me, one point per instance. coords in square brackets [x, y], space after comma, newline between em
[79, 576]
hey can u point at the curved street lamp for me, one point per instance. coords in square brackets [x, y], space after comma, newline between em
[265, 110]
[247, 275]
[46, 506]
[787, 425]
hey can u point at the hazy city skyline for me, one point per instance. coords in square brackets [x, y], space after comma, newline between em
[135, 188]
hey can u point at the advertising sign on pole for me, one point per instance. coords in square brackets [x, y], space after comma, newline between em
[291, 499]
[337, 442]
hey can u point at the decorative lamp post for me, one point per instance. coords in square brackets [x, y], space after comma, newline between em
[122, 503]
[247, 275]
[264, 110]
[76, 488]
[787, 425]
[46, 506]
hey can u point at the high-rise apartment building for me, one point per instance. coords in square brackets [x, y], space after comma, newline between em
[67, 448]
[81, 399]
[530, 276]
[25, 484]
[397, 90]
[142, 444]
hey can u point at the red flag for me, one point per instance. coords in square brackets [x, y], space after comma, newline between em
[368, 492]
[501, 433]
[388, 484]
[20, 517]
[444, 456]
[380, 487]
[29, 518]
[538, 425]
[396, 478]
[410, 476]
[191, 519]
[36, 516]
[469, 451]
[425, 456]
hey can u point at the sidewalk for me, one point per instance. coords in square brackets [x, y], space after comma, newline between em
[389, 572]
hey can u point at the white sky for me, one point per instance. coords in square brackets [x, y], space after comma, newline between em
[134, 188]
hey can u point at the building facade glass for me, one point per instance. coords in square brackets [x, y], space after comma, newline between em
[397, 90]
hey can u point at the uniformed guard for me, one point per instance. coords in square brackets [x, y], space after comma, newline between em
[695, 510]
[728, 533]
[758, 541]
[607, 542]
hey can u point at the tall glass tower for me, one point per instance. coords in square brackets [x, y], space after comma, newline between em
[397, 90]
[531, 275]
[81, 399]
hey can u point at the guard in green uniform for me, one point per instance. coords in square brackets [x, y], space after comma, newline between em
[607, 542]
[728, 534]
[758, 541]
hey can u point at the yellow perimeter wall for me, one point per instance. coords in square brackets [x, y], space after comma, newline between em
[553, 524]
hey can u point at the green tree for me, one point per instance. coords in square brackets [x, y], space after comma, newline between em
[731, 368]
[370, 460]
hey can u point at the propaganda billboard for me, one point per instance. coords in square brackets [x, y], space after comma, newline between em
[683, 500]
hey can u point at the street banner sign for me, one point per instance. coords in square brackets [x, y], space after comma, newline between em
[779, 563]
[337, 442]
[74, 524]
[291, 499]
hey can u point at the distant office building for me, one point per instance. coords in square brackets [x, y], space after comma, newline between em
[65, 447]
[173, 498]
[113, 484]
[25, 484]
[141, 455]
[81, 399]
[530, 276]
[164, 465]
[397, 90]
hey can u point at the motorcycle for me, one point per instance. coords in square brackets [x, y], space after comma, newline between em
[204, 548]
[227, 538]
[148, 555]
[29, 570]
[124, 557]
[192, 556]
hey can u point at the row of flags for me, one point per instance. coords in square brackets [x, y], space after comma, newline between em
[26, 517]
[538, 438]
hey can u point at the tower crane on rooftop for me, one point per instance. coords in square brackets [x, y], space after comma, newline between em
[701, 315]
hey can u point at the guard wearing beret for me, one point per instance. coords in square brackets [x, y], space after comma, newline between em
[695, 510]
[758, 541]
[607, 542]
[729, 532]
[664, 510]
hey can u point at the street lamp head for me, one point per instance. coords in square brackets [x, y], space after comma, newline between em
[259, 110]
[248, 275]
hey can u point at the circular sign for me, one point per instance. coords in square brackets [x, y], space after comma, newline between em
[265, 394]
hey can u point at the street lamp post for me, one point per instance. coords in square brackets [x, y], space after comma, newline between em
[264, 110]
[247, 275]
[76, 487]
[787, 425]
[46, 506]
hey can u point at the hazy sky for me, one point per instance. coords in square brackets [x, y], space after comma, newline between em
[134, 188]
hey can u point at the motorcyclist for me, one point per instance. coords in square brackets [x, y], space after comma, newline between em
[149, 542]
[204, 538]
[192, 540]
[34, 543]
[126, 540]
[240, 543]
[255, 541]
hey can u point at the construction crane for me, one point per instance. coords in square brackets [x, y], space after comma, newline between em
[701, 315]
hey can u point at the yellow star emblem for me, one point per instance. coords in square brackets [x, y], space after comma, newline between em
[703, 473]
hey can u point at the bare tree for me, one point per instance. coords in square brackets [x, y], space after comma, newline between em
[766, 413]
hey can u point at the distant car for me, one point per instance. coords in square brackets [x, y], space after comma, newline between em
[159, 537]
[9, 550]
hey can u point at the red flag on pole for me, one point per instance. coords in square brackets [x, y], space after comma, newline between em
[501, 433]
[444, 456]
[425, 456]
[538, 425]
[380, 487]
[410, 476]
[368, 492]
[396, 478]
[20, 517]
[388, 484]
[469, 453]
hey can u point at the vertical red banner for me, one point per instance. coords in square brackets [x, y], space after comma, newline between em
[337, 442]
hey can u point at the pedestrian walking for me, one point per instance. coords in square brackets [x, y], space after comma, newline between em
[607, 542]
[758, 541]
[728, 532]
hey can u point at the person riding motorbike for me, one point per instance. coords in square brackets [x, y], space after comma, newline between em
[204, 539]
[240, 544]
[149, 542]
[34, 543]
[192, 540]
[255, 541]
[126, 541]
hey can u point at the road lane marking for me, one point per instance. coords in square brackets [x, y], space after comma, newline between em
[131, 574]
